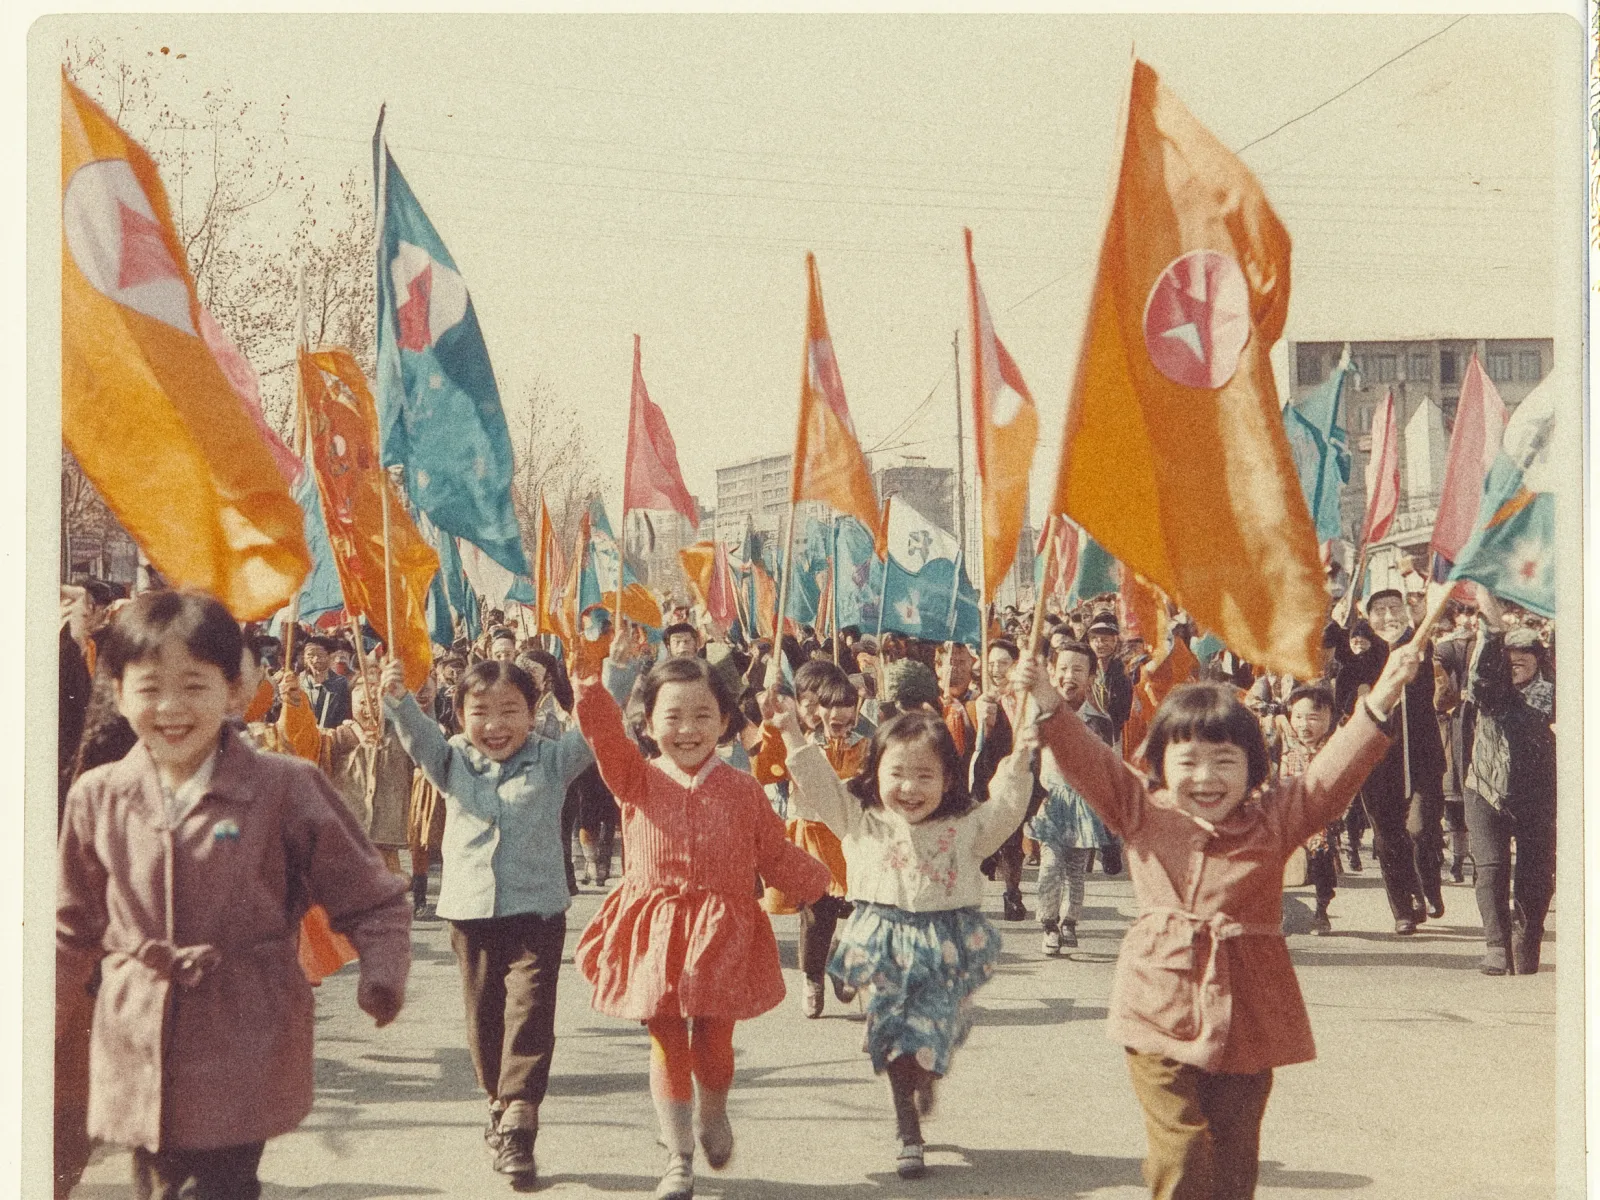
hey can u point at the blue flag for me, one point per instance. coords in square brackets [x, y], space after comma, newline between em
[1320, 448]
[450, 585]
[439, 411]
[857, 578]
[1512, 547]
[321, 592]
[926, 592]
[1097, 572]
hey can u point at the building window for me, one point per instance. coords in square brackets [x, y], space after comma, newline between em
[1447, 367]
[1309, 370]
[1421, 368]
[1500, 367]
[1383, 368]
[1528, 366]
[1366, 418]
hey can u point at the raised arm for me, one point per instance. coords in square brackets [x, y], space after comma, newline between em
[998, 817]
[621, 765]
[816, 792]
[297, 725]
[421, 737]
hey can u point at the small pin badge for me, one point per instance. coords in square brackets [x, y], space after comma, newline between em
[226, 830]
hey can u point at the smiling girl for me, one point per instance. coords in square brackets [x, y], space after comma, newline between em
[913, 843]
[504, 884]
[683, 940]
[1205, 999]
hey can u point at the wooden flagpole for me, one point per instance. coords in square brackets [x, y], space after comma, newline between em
[1034, 633]
[775, 667]
[301, 438]
[883, 593]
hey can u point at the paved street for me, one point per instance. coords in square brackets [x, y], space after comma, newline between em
[1433, 1081]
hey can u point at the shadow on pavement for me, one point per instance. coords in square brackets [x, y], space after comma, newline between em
[1273, 1175]
[348, 1082]
[1440, 961]
[1051, 1010]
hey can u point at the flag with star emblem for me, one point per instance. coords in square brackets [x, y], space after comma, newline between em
[342, 428]
[1007, 428]
[157, 420]
[1512, 550]
[438, 403]
[857, 576]
[1174, 456]
[926, 592]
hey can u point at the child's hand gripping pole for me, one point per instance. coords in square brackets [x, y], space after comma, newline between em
[781, 712]
[1028, 679]
[1400, 670]
[393, 682]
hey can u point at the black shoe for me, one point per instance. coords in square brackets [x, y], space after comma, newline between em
[1069, 935]
[1404, 927]
[1014, 910]
[515, 1155]
[1457, 874]
[1320, 925]
[1525, 953]
[1355, 861]
[1111, 860]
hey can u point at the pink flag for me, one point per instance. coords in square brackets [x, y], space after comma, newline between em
[1474, 443]
[720, 599]
[651, 478]
[1063, 558]
[241, 377]
[1383, 472]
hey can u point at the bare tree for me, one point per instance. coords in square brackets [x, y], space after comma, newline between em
[552, 459]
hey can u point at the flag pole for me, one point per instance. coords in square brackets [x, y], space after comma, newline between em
[961, 450]
[783, 587]
[388, 573]
[883, 595]
[833, 588]
[1038, 606]
[301, 437]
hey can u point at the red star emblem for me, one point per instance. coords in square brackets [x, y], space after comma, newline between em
[1197, 319]
[414, 333]
[144, 250]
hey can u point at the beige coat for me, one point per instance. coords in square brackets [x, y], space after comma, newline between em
[203, 1023]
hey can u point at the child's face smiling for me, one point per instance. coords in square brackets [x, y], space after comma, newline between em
[911, 780]
[497, 720]
[176, 704]
[1206, 779]
[837, 722]
[686, 723]
[1310, 721]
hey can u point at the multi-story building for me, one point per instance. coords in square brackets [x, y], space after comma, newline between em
[653, 541]
[1425, 376]
[755, 495]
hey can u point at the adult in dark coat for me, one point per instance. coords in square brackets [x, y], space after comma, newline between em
[1510, 791]
[327, 692]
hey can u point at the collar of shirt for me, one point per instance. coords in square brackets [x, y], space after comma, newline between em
[180, 801]
[681, 777]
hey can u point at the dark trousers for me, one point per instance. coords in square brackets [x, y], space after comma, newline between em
[1530, 884]
[570, 806]
[1322, 871]
[1408, 841]
[228, 1173]
[1203, 1128]
[817, 924]
[1355, 824]
[509, 967]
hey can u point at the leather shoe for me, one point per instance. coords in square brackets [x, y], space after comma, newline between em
[1404, 927]
[1525, 954]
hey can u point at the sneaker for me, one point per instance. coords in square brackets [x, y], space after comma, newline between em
[842, 991]
[1052, 940]
[677, 1182]
[515, 1154]
[1069, 934]
[1320, 925]
[811, 999]
[908, 1164]
[1014, 909]
[716, 1139]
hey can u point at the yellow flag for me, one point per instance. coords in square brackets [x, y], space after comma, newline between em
[145, 407]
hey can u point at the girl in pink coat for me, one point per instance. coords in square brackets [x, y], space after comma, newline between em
[683, 939]
[185, 869]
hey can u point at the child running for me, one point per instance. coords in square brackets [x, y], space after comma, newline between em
[1310, 723]
[913, 843]
[1205, 999]
[185, 869]
[504, 882]
[683, 939]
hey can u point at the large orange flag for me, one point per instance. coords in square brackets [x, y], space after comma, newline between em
[145, 407]
[1174, 457]
[1007, 427]
[828, 462]
[342, 421]
[549, 571]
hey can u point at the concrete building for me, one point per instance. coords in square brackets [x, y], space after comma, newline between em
[653, 541]
[1426, 376]
[755, 494]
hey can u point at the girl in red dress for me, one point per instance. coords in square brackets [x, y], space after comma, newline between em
[682, 944]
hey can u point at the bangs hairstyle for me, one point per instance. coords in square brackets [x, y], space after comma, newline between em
[688, 670]
[1079, 648]
[827, 682]
[923, 728]
[1320, 695]
[484, 675]
[151, 619]
[1206, 712]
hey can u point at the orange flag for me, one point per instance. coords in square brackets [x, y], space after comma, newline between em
[342, 421]
[1007, 427]
[828, 463]
[549, 570]
[145, 407]
[1174, 457]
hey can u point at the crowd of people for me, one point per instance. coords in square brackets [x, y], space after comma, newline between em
[242, 813]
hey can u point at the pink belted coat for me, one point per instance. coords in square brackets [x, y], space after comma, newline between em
[1204, 975]
[202, 1032]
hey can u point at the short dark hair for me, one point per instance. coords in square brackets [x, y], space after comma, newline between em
[827, 682]
[151, 619]
[1206, 712]
[1077, 647]
[928, 729]
[99, 591]
[1320, 695]
[688, 670]
[500, 634]
[676, 628]
[485, 674]
[1008, 646]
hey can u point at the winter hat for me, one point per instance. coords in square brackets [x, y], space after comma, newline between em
[1105, 623]
[908, 683]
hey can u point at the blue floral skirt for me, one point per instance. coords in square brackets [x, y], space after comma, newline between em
[918, 971]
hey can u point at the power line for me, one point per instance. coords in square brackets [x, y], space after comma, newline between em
[914, 413]
[1353, 86]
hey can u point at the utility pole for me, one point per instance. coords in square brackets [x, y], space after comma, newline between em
[961, 453]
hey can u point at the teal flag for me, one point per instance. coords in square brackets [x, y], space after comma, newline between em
[1097, 572]
[1320, 448]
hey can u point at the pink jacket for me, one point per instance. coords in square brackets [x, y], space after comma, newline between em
[203, 1023]
[1204, 974]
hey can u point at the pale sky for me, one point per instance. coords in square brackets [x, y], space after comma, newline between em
[600, 176]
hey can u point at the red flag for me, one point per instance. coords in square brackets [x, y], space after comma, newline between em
[1063, 558]
[1383, 472]
[721, 599]
[1007, 428]
[651, 478]
[1474, 444]
[828, 463]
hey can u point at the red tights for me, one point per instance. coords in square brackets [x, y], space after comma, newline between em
[677, 1060]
